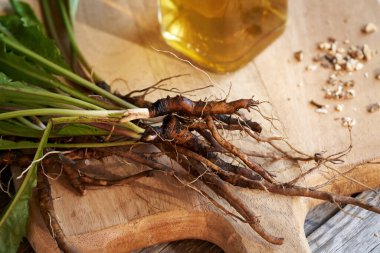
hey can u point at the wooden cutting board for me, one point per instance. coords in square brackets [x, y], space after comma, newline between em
[120, 37]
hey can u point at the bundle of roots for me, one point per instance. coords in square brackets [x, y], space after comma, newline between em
[193, 134]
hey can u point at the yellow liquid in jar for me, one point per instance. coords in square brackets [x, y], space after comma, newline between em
[221, 35]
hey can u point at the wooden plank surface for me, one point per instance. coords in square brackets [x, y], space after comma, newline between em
[319, 215]
[118, 37]
[154, 209]
[314, 220]
[186, 246]
[323, 228]
[350, 230]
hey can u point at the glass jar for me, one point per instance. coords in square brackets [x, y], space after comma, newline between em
[221, 35]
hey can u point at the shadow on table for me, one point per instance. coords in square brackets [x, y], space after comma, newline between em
[138, 17]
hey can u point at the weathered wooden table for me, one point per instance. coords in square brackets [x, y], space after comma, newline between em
[328, 229]
[120, 37]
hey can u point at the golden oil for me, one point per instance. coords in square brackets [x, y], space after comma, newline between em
[221, 35]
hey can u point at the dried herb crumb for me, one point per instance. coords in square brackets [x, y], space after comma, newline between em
[298, 56]
[373, 107]
[369, 28]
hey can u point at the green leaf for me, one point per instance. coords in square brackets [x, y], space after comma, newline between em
[14, 220]
[26, 93]
[9, 42]
[38, 56]
[6, 82]
[78, 130]
[9, 128]
[7, 144]
[4, 78]
[25, 12]
[19, 68]
[32, 38]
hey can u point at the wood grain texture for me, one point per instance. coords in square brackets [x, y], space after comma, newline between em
[319, 215]
[326, 220]
[118, 37]
[185, 246]
[358, 230]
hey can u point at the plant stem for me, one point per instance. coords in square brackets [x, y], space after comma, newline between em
[26, 186]
[29, 124]
[27, 145]
[59, 85]
[74, 46]
[92, 145]
[49, 19]
[89, 119]
[133, 127]
[44, 97]
[38, 122]
[64, 112]
[91, 114]
[65, 72]
[81, 119]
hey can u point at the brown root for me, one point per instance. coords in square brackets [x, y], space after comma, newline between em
[193, 134]
[184, 106]
[48, 214]
[231, 121]
[219, 187]
[72, 174]
[234, 150]
[172, 130]
[291, 190]
[79, 180]
[194, 165]
[92, 181]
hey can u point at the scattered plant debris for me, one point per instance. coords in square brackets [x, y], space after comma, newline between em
[369, 28]
[374, 107]
[343, 59]
[298, 56]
